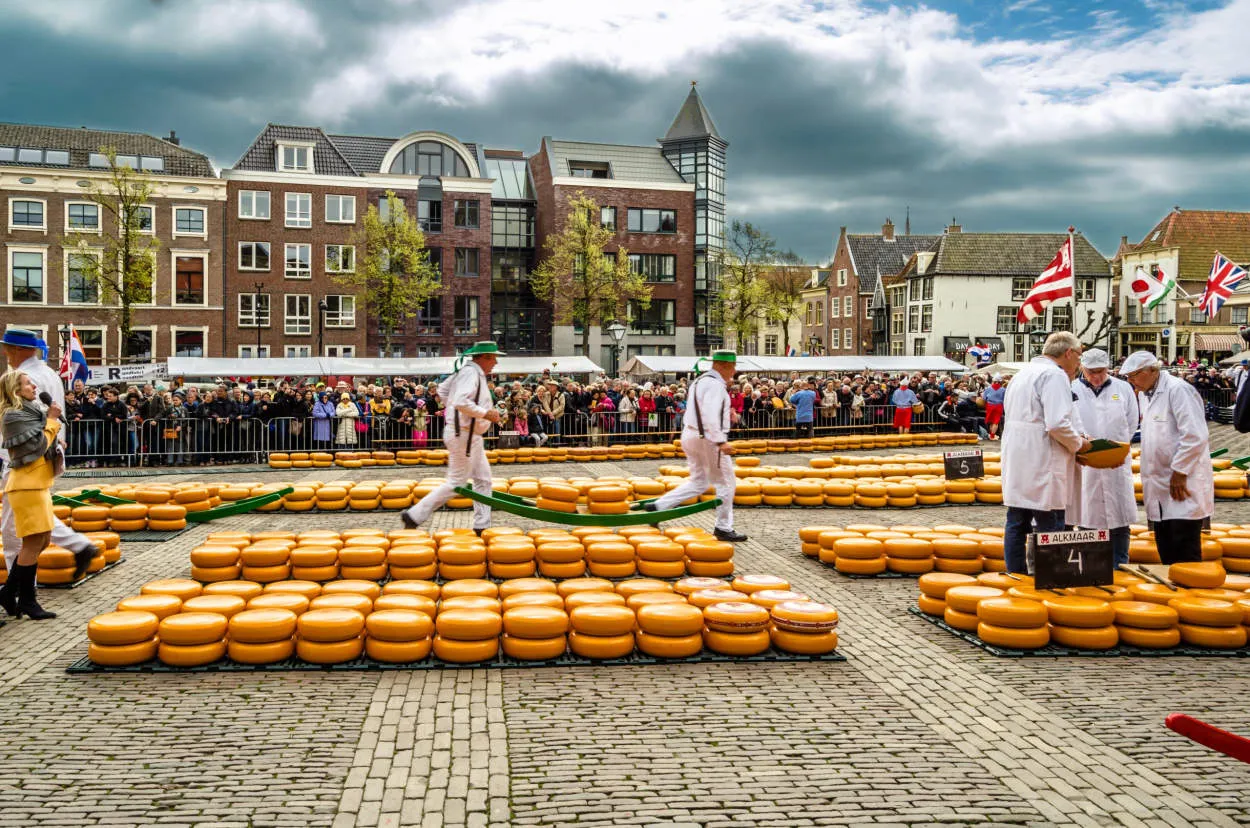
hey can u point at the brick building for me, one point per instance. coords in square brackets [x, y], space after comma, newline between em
[45, 176]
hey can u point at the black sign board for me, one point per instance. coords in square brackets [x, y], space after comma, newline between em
[1072, 559]
[960, 464]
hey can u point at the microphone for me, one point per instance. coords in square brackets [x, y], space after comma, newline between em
[45, 398]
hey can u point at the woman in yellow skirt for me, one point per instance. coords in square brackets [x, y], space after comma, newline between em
[29, 438]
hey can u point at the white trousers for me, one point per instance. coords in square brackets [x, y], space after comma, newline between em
[708, 467]
[460, 470]
[62, 535]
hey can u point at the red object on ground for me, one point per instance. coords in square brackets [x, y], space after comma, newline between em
[1231, 744]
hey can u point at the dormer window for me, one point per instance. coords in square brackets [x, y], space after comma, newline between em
[295, 157]
[589, 169]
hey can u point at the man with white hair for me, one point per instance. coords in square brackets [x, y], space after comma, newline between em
[1107, 407]
[1178, 485]
[1040, 441]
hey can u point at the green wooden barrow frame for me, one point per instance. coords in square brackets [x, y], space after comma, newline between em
[525, 508]
[236, 507]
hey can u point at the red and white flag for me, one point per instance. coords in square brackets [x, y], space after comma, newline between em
[1054, 284]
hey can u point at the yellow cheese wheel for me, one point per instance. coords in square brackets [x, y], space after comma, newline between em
[328, 652]
[736, 644]
[398, 652]
[581, 599]
[122, 655]
[958, 565]
[610, 552]
[468, 624]
[936, 584]
[462, 651]
[704, 550]
[534, 649]
[1155, 593]
[192, 628]
[1161, 638]
[1006, 611]
[428, 589]
[297, 604]
[362, 604]
[1206, 611]
[126, 627]
[1217, 638]
[260, 652]
[560, 551]
[755, 583]
[399, 624]
[533, 599]
[689, 586]
[167, 512]
[855, 566]
[214, 556]
[89, 514]
[706, 597]
[1085, 638]
[804, 616]
[535, 622]
[663, 646]
[735, 616]
[128, 511]
[603, 620]
[909, 548]
[314, 556]
[510, 553]
[1145, 615]
[931, 606]
[966, 621]
[363, 587]
[601, 646]
[267, 574]
[567, 588]
[1016, 638]
[190, 655]
[1078, 611]
[159, 605]
[308, 589]
[702, 569]
[410, 555]
[965, 598]
[182, 588]
[666, 551]
[330, 624]
[222, 604]
[670, 619]
[909, 566]
[362, 556]
[803, 643]
[1205, 575]
[600, 507]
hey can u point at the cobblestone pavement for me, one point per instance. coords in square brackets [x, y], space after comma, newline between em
[916, 728]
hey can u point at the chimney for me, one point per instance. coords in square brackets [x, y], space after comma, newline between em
[887, 230]
[173, 138]
[954, 228]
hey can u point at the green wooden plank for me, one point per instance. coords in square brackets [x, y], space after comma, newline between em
[1218, 452]
[238, 507]
[522, 508]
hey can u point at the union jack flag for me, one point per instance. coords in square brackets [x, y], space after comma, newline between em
[1224, 278]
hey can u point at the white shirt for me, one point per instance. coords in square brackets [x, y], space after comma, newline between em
[1105, 499]
[1174, 438]
[466, 391]
[713, 404]
[1040, 437]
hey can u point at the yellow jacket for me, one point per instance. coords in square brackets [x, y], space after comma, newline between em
[38, 475]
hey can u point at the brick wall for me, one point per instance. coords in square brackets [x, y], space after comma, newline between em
[840, 322]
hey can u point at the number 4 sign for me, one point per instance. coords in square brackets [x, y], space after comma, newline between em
[1070, 559]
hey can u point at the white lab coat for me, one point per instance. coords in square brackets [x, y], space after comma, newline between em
[1104, 498]
[1174, 438]
[1040, 438]
[708, 466]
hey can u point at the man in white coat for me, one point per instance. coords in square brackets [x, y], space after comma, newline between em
[1178, 485]
[469, 414]
[705, 442]
[22, 353]
[1107, 410]
[1040, 441]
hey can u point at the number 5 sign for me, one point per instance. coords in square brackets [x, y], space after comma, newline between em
[963, 464]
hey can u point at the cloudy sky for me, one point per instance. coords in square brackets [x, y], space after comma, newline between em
[1004, 114]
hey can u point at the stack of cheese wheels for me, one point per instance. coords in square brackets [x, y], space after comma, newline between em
[804, 627]
[364, 497]
[267, 559]
[732, 628]
[295, 596]
[467, 633]
[399, 634]
[533, 630]
[908, 555]
[859, 556]
[1209, 621]
[960, 491]
[662, 557]
[558, 497]
[608, 500]
[159, 605]
[667, 627]
[461, 554]
[396, 494]
[316, 558]
[609, 555]
[1235, 551]
[933, 587]
[262, 635]
[602, 624]
[168, 517]
[331, 498]
[1007, 621]
[300, 499]
[1146, 624]
[122, 638]
[192, 639]
[992, 556]
[510, 554]
[215, 562]
[90, 518]
[955, 554]
[1081, 622]
[412, 556]
[56, 566]
[705, 557]
[128, 517]
[195, 498]
[961, 604]
[330, 634]
[560, 555]
[809, 539]
[363, 557]
[110, 542]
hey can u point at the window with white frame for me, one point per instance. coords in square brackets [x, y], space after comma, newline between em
[926, 288]
[82, 287]
[1061, 318]
[820, 312]
[896, 321]
[297, 351]
[141, 344]
[1020, 287]
[298, 316]
[254, 310]
[298, 261]
[842, 277]
[295, 157]
[190, 286]
[28, 214]
[340, 209]
[770, 345]
[150, 299]
[145, 221]
[1198, 316]
[340, 311]
[918, 347]
[913, 318]
[835, 339]
[868, 309]
[808, 317]
[848, 306]
[348, 351]
[299, 210]
[253, 351]
[27, 276]
[82, 217]
[396, 351]
[92, 341]
[847, 339]
[340, 258]
[189, 342]
[926, 318]
[1006, 319]
[1238, 315]
[896, 348]
[465, 322]
[254, 204]
[189, 221]
[835, 308]
[1085, 287]
[253, 255]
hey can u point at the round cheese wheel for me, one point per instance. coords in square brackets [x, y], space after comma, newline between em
[362, 604]
[1204, 575]
[308, 589]
[429, 589]
[123, 525]
[601, 646]
[90, 514]
[804, 616]
[190, 655]
[966, 621]
[399, 624]
[463, 651]
[1145, 615]
[411, 555]
[859, 548]
[689, 586]
[1217, 638]
[510, 553]
[668, 552]
[769, 598]
[571, 570]
[1085, 638]
[560, 551]
[122, 655]
[1155, 593]
[533, 599]
[267, 574]
[214, 556]
[706, 597]
[260, 652]
[931, 606]
[363, 587]
[664, 646]
[534, 649]
[736, 616]
[1016, 638]
[328, 652]
[965, 598]
[330, 624]
[297, 604]
[470, 586]
[707, 550]
[182, 588]
[567, 588]
[857, 566]
[612, 552]
[216, 574]
[468, 624]
[909, 566]
[1206, 611]
[517, 586]
[607, 493]
[192, 628]
[1005, 611]
[936, 584]
[638, 586]
[603, 620]
[736, 644]
[803, 643]
[910, 548]
[535, 622]
[244, 589]
[958, 565]
[398, 652]
[1158, 638]
[670, 619]
[227, 605]
[754, 583]
[581, 599]
[701, 569]
[362, 556]
[125, 627]
[159, 605]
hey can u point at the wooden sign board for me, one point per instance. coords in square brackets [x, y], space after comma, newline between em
[1072, 559]
[963, 464]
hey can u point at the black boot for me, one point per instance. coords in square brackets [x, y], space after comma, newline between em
[26, 603]
[8, 595]
[82, 559]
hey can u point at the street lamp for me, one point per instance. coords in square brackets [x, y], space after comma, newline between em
[322, 307]
[257, 286]
[616, 330]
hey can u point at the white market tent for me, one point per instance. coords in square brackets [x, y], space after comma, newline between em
[1004, 368]
[648, 365]
[332, 366]
[1235, 358]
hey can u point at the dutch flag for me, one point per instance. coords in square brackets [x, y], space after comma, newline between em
[74, 360]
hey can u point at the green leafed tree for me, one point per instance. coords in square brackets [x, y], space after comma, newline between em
[748, 256]
[586, 286]
[783, 292]
[393, 276]
[122, 266]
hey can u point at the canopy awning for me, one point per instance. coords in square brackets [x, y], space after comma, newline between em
[994, 343]
[332, 366]
[646, 365]
[1218, 342]
[955, 344]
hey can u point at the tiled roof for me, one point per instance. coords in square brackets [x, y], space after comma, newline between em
[327, 159]
[363, 152]
[873, 254]
[81, 142]
[1199, 234]
[692, 121]
[1012, 254]
[626, 163]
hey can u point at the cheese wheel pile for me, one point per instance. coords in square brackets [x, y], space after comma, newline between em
[1006, 611]
[55, 566]
[872, 549]
[501, 552]
[183, 623]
